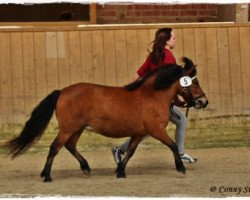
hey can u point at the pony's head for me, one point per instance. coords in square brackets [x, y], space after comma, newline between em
[190, 88]
[166, 75]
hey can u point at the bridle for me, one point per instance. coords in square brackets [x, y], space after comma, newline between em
[192, 100]
[186, 82]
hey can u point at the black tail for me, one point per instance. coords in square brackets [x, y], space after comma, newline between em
[35, 126]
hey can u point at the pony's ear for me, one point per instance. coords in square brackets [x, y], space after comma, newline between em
[188, 63]
[189, 66]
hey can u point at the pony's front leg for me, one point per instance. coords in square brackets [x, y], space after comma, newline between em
[130, 152]
[162, 136]
[178, 162]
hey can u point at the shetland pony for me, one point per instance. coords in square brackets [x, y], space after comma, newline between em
[138, 109]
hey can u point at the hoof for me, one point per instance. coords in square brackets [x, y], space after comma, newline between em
[86, 171]
[85, 168]
[47, 179]
[181, 169]
[121, 175]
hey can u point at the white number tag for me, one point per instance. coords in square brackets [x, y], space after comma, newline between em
[185, 81]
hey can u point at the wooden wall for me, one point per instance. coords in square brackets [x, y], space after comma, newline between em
[36, 60]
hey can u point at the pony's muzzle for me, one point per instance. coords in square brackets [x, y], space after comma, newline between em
[200, 103]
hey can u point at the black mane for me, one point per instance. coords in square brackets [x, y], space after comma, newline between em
[165, 75]
[137, 83]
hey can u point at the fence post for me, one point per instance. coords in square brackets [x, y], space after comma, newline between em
[233, 12]
[241, 13]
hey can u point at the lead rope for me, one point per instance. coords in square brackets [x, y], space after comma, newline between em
[187, 112]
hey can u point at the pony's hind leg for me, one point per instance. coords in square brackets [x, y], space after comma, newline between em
[71, 146]
[55, 147]
[130, 152]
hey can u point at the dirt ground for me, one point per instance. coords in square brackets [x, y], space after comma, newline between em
[151, 172]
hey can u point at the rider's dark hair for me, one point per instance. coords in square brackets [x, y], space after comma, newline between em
[161, 37]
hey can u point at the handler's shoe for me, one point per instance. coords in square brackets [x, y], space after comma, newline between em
[117, 153]
[187, 158]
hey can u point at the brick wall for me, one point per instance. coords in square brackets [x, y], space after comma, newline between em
[155, 13]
